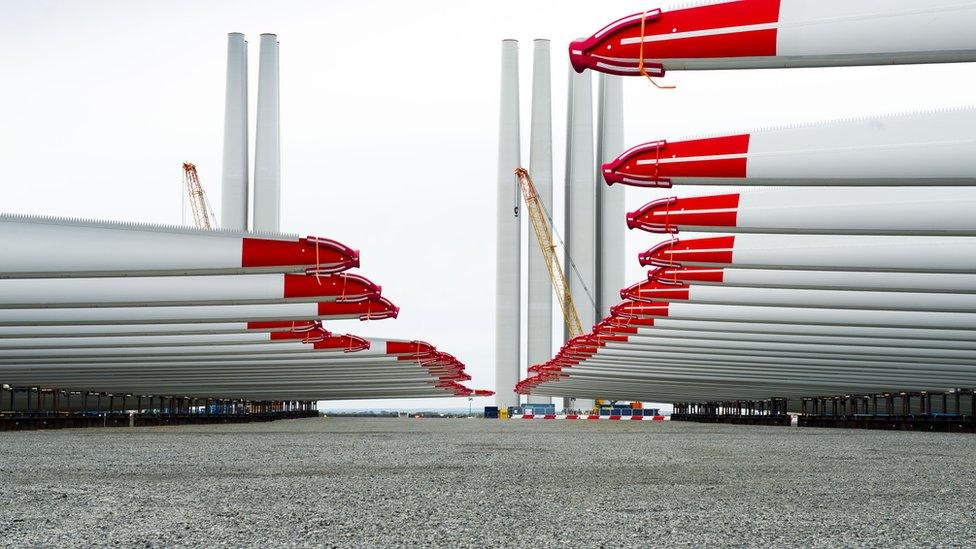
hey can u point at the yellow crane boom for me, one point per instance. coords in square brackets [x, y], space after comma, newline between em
[544, 237]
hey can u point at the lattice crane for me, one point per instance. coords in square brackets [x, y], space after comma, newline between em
[544, 237]
[203, 218]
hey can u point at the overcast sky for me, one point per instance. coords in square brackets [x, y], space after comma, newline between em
[389, 126]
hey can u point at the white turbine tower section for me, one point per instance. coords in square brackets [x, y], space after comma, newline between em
[507, 288]
[611, 213]
[267, 147]
[581, 206]
[233, 195]
[539, 318]
[581, 198]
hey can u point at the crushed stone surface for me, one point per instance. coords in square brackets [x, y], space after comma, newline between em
[480, 483]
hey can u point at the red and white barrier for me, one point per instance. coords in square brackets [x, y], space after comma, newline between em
[591, 417]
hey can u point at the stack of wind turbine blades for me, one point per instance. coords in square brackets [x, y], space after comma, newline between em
[103, 306]
[706, 334]
[678, 374]
[676, 340]
[355, 368]
[640, 355]
[827, 351]
[845, 279]
[916, 149]
[756, 34]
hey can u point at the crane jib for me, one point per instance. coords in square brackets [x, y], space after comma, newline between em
[544, 238]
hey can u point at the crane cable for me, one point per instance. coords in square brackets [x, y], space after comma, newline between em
[569, 258]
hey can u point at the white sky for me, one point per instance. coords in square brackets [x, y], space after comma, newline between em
[389, 127]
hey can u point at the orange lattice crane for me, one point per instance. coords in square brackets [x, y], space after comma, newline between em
[202, 216]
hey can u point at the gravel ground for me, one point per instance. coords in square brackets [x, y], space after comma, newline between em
[431, 482]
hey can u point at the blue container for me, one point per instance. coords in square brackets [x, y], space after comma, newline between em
[538, 409]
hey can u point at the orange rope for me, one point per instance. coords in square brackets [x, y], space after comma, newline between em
[674, 240]
[657, 158]
[667, 216]
[640, 63]
[318, 264]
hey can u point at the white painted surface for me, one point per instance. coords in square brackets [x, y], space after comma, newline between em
[843, 299]
[849, 280]
[31, 248]
[880, 253]
[539, 289]
[176, 314]
[759, 327]
[859, 317]
[261, 349]
[581, 229]
[860, 210]
[840, 27]
[612, 211]
[267, 141]
[508, 237]
[747, 333]
[36, 332]
[930, 145]
[234, 180]
[760, 348]
[133, 341]
[136, 291]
